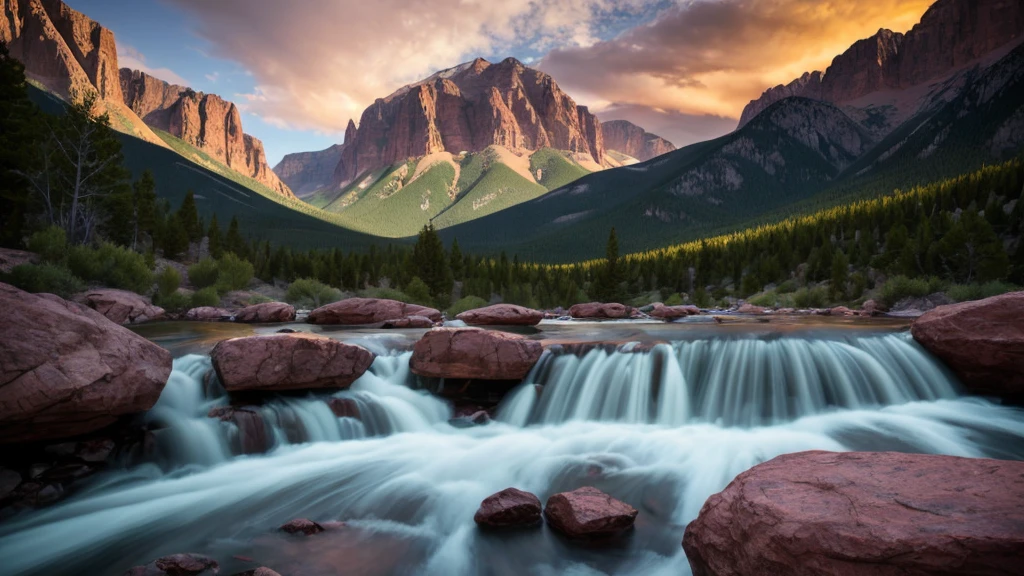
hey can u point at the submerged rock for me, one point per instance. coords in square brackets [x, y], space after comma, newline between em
[409, 322]
[302, 526]
[121, 306]
[358, 311]
[600, 311]
[502, 315]
[66, 369]
[177, 565]
[982, 342]
[475, 354]
[288, 362]
[509, 508]
[588, 513]
[266, 313]
[861, 513]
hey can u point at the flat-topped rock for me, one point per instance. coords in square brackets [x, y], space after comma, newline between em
[65, 369]
[409, 322]
[981, 341]
[288, 362]
[474, 353]
[588, 513]
[266, 313]
[508, 509]
[863, 513]
[208, 314]
[502, 315]
[359, 311]
[121, 306]
[599, 311]
[664, 312]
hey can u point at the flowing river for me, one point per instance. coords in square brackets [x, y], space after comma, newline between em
[659, 418]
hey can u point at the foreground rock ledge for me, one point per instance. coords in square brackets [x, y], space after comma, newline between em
[863, 513]
[288, 362]
[502, 315]
[474, 353]
[359, 311]
[67, 370]
[509, 508]
[982, 341]
[588, 513]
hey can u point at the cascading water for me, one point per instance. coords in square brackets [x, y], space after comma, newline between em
[661, 429]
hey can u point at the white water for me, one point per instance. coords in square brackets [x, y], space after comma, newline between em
[662, 431]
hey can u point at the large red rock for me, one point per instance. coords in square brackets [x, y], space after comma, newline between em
[628, 138]
[474, 353]
[266, 312]
[208, 314]
[302, 526]
[358, 311]
[673, 312]
[982, 341]
[121, 306]
[599, 311]
[509, 508]
[409, 322]
[862, 513]
[288, 362]
[502, 315]
[67, 370]
[588, 513]
[177, 565]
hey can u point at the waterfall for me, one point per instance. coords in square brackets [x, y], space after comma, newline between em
[742, 381]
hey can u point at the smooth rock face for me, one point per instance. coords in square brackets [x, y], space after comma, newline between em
[307, 172]
[177, 565]
[982, 342]
[121, 306]
[208, 314]
[750, 309]
[302, 526]
[509, 508]
[628, 138]
[598, 310]
[502, 315]
[266, 312]
[288, 362]
[862, 513]
[588, 513]
[356, 311]
[474, 353]
[673, 312]
[67, 370]
[409, 322]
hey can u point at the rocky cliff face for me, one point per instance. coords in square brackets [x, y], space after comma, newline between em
[951, 35]
[307, 172]
[630, 139]
[469, 108]
[205, 121]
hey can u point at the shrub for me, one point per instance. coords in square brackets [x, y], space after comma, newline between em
[235, 273]
[168, 281]
[674, 299]
[788, 287]
[203, 273]
[51, 244]
[899, 287]
[767, 299]
[174, 302]
[965, 292]
[810, 298]
[466, 303]
[310, 292]
[418, 292]
[50, 278]
[257, 299]
[206, 297]
[111, 265]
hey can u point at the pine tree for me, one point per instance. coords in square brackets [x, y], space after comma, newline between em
[457, 264]
[174, 239]
[188, 214]
[19, 143]
[215, 237]
[432, 265]
[840, 276]
[234, 242]
[608, 285]
[145, 210]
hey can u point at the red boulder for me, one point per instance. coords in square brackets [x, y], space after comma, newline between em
[266, 313]
[359, 311]
[121, 306]
[409, 322]
[588, 513]
[302, 526]
[474, 353]
[177, 565]
[599, 311]
[288, 362]
[509, 508]
[672, 312]
[502, 315]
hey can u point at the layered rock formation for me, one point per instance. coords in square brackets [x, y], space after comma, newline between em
[307, 172]
[951, 35]
[121, 306]
[474, 354]
[501, 315]
[628, 138]
[468, 108]
[206, 121]
[359, 311]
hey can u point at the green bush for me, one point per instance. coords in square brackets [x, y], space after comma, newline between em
[466, 303]
[257, 299]
[206, 297]
[51, 244]
[899, 287]
[308, 292]
[767, 299]
[965, 292]
[674, 299]
[168, 281]
[50, 278]
[788, 287]
[235, 273]
[418, 292]
[112, 266]
[810, 298]
[203, 273]
[174, 302]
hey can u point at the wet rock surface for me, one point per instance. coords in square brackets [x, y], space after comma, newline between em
[288, 362]
[502, 315]
[599, 311]
[588, 513]
[177, 565]
[474, 353]
[121, 306]
[265, 313]
[510, 508]
[361, 311]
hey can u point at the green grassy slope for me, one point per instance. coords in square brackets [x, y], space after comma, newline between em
[499, 188]
[556, 169]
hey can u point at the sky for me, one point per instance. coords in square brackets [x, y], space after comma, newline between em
[299, 70]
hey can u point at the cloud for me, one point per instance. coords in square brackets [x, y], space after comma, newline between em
[320, 64]
[703, 57]
[129, 57]
[213, 77]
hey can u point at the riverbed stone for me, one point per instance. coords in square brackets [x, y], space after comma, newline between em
[121, 306]
[664, 312]
[409, 322]
[208, 314]
[288, 362]
[588, 513]
[66, 370]
[474, 353]
[510, 508]
[361, 311]
[600, 311]
[177, 565]
[265, 313]
[861, 513]
[981, 341]
[502, 315]
[303, 526]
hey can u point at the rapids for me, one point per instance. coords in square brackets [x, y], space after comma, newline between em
[661, 427]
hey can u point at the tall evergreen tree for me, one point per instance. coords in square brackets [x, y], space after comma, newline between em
[432, 265]
[19, 140]
[188, 214]
[457, 263]
[234, 242]
[215, 237]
